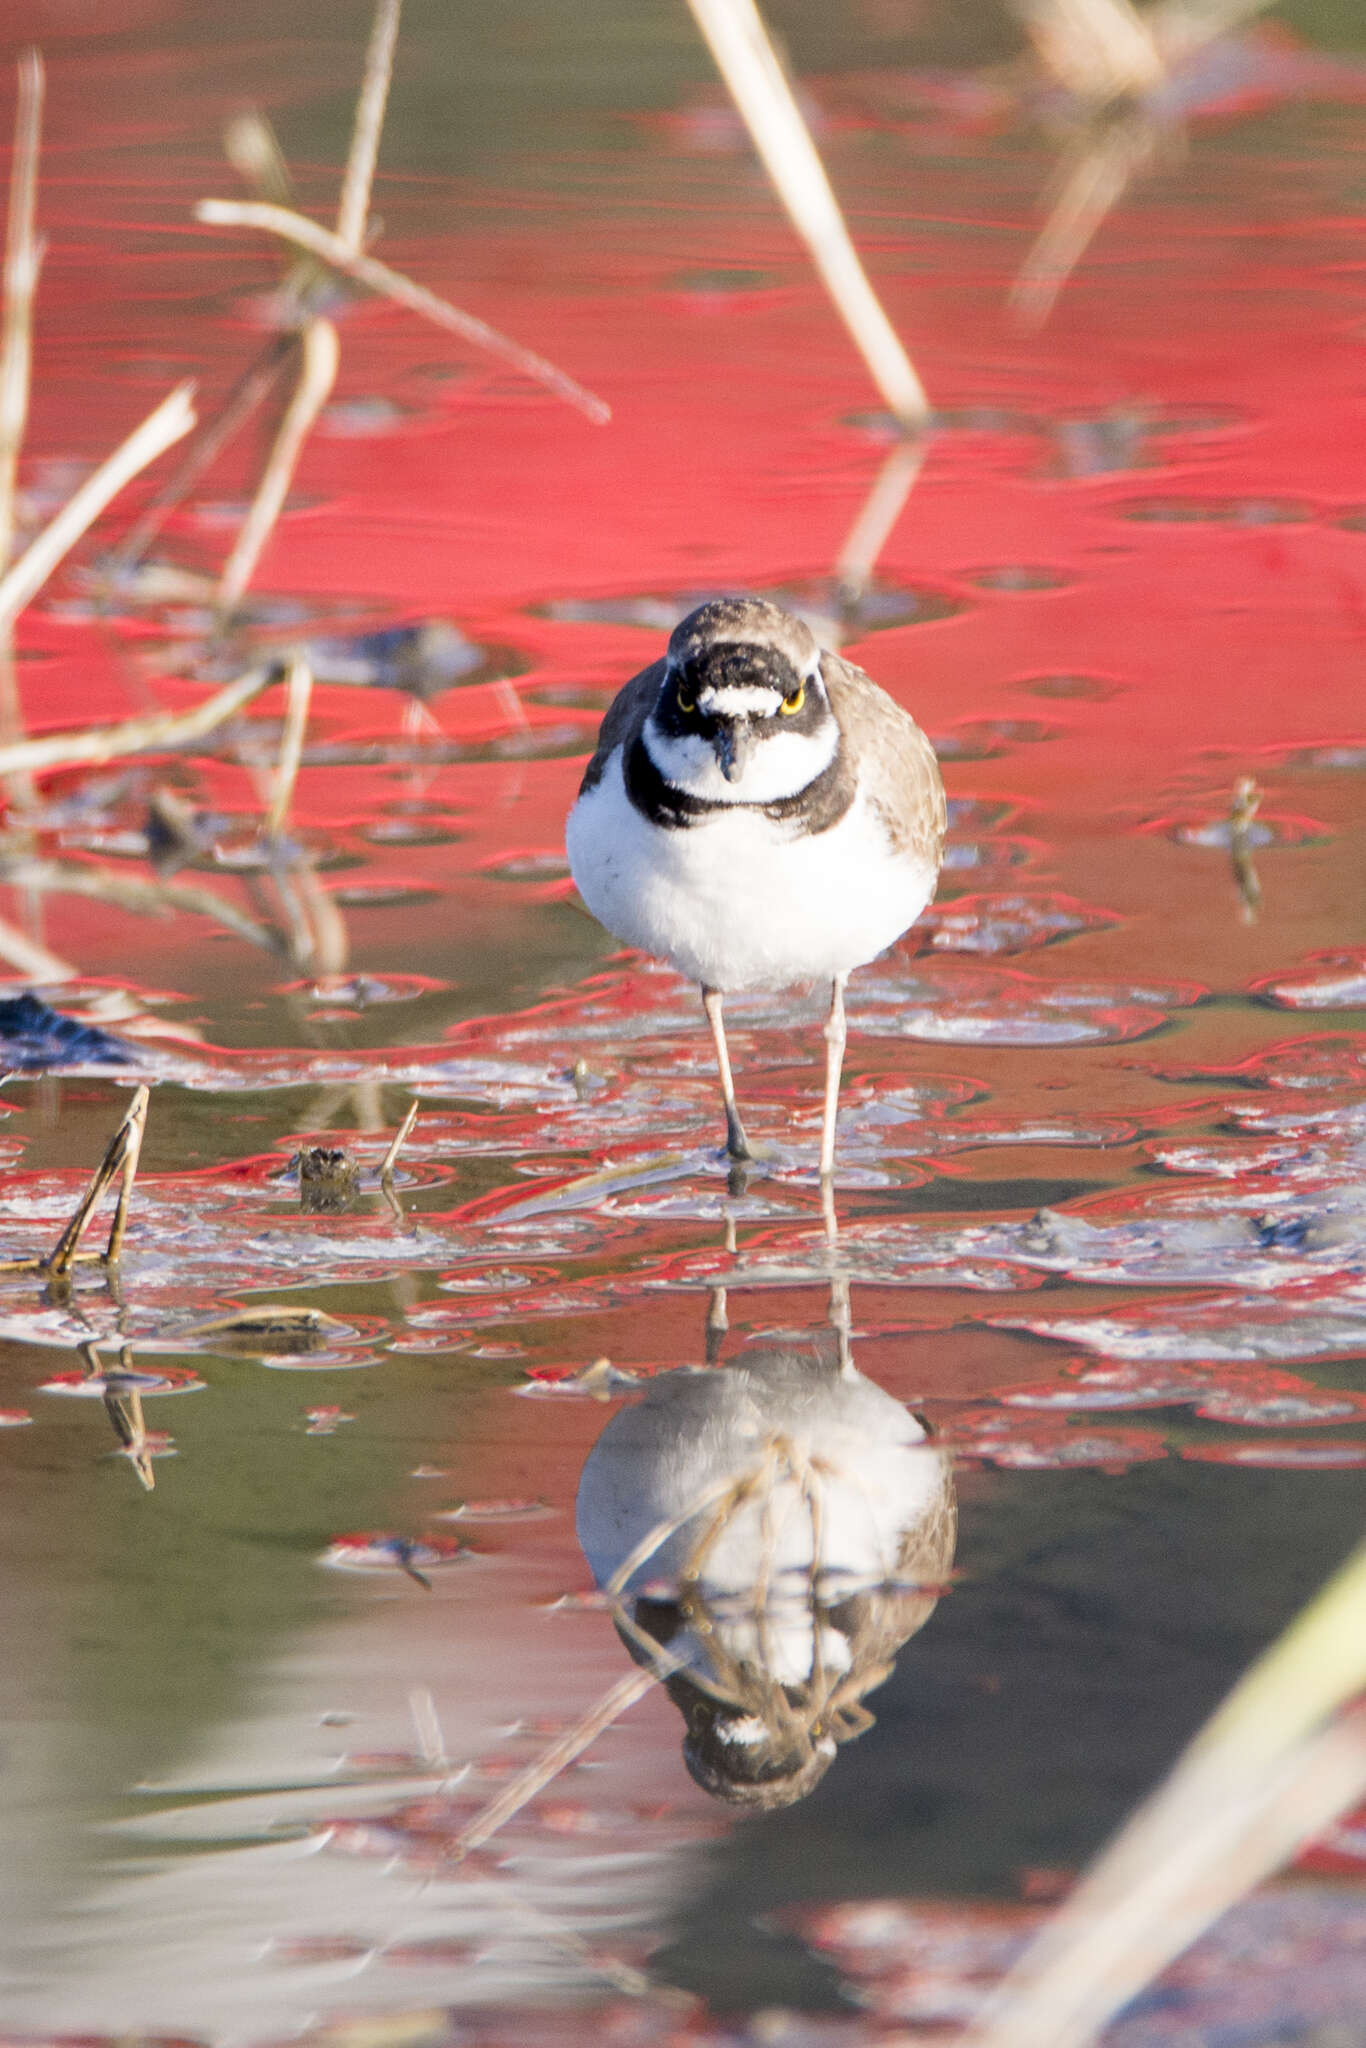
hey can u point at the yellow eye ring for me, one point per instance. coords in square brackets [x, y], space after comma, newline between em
[790, 706]
[685, 704]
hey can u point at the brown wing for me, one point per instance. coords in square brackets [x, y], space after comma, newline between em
[897, 769]
[626, 714]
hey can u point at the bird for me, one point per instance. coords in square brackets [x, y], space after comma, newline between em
[758, 813]
[769, 1533]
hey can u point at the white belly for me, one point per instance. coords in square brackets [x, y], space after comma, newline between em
[736, 901]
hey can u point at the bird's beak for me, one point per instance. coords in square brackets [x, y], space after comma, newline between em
[733, 742]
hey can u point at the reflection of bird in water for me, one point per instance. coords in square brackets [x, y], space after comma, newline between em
[758, 812]
[778, 1527]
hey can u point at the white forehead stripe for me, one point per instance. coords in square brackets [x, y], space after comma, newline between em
[740, 700]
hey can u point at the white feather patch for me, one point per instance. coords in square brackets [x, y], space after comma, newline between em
[738, 900]
[778, 766]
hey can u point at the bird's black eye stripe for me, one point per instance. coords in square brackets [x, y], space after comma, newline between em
[686, 688]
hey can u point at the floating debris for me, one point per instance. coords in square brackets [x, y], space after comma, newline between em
[601, 1381]
[379, 1551]
[35, 1038]
[325, 1421]
[329, 1181]
[285, 1327]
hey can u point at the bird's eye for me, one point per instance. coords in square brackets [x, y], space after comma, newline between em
[792, 704]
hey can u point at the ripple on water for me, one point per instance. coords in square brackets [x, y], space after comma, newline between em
[1334, 980]
[1009, 923]
[828, 608]
[951, 1004]
[1306, 1321]
[1174, 510]
[1221, 834]
[124, 1380]
[1282, 1457]
[1036, 1444]
[1256, 1397]
[1080, 689]
[1329, 1060]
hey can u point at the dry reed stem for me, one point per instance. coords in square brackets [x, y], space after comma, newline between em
[400, 1139]
[172, 419]
[130, 1427]
[132, 893]
[298, 693]
[31, 959]
[252, 149]
[391, 284]
[354, 209]
[325, 943]
[1267, 1772]
[878, 515]
[1100, 172]
[1098, 50]
[739, 42]
[727, 1492]
[431, 1742]
[1180, 27]
[23, 255]
[246, 395]
[22, 258]
[524, 1788]
[121, 1158]
[135, 735]
[319, 354]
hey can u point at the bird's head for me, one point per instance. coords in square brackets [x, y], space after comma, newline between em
[742, 714]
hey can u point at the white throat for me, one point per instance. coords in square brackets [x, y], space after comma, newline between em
[781, 764]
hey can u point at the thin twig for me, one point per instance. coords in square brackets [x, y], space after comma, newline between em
[161, 429]
[319, 352]
[524, 1788]
[326, 946]
[251, 147]
[400, 1139]
[1094, 179]
[120, 1158]
[1100, 50]
[878, 515]
[390, 284]
[250, 390]
[360, 163]
[133, 893]
[298, 693]
[130, 1427]
[135, 735]
[431, 1743]
[22, 258]
[739, 42]
[730, 1490]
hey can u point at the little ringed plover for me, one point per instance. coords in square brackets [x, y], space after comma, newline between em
[758, 812]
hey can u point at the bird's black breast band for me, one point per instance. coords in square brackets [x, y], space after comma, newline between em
[816, 808]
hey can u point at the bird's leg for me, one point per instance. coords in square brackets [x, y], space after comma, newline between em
[717, 1321]
[835, 1035]
[737, 1144]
